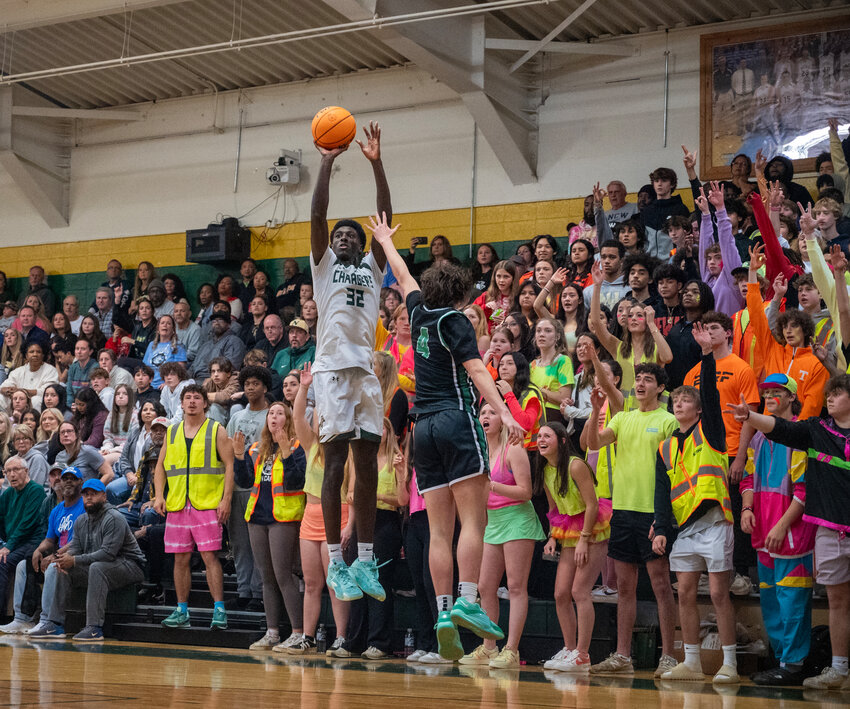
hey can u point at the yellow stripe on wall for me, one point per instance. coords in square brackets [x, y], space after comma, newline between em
[498, 223]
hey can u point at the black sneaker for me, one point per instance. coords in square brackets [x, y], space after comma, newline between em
[237, 604]
[779, 677]
[255, 605]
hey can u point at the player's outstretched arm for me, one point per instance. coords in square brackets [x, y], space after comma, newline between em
[321, 195]
[372, 151]
[382, 234]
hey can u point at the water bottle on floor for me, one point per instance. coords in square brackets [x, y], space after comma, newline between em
[321, 640]
[409, 643]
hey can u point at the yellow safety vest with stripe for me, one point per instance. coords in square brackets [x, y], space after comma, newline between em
[286, 506]
[697, 473]
[196, 476]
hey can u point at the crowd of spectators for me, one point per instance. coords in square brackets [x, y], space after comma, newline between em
[566, 325]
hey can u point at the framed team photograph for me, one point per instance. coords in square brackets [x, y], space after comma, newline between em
[772, 88]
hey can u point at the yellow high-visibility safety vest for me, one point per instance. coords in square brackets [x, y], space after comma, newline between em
[697, 473]
[196, 476]
[286, 506]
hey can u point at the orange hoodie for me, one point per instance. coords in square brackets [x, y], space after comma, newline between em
[797, 362]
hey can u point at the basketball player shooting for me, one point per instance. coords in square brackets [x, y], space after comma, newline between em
[349, 401]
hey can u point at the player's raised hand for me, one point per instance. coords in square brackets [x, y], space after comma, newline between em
[382, 231]
[372, 147]
[331, 153]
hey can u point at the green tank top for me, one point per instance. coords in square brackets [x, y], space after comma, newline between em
[569, 504]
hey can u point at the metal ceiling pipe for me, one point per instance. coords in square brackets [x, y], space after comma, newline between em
[279, 38]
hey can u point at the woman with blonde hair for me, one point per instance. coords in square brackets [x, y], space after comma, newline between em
[475, 315]
[48, 424]
[552, 371]
[11, 355]
[313, 543]
[396, 406]
[274, 469]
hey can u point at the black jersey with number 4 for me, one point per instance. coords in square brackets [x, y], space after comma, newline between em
[443, 339]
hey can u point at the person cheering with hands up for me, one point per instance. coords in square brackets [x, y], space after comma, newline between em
[827, 442]
[451, 465]
[718, 260]
[692, 491]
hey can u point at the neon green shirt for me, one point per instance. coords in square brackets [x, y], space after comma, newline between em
[639, 433]
[553, 376]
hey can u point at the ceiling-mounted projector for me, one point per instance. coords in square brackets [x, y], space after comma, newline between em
[286, 170]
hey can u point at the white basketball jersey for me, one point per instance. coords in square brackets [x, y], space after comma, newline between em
[347, 297]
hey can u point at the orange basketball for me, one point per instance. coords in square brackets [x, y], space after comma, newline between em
[333, 127]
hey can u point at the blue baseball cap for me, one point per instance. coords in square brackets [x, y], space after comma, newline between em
[94, 484]
[71, 470]
[779, 381]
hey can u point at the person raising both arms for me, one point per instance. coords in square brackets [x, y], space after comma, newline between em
[348, 288]
[449, 454]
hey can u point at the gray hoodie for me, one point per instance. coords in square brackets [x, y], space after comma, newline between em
[103, 537]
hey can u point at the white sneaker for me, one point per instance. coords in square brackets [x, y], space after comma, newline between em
[292, 640]
[432, 658]
[573, 664]
[553, 662]
[830, 678]
[416, 655]
[741, 586]
[502, 592]
[17, 627]
[266, 642]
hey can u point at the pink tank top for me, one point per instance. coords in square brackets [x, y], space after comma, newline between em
[501, 473]
[417, 502]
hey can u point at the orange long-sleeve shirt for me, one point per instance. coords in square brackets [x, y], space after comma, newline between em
[797, 362]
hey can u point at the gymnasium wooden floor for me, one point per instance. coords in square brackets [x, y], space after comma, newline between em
[146, 676]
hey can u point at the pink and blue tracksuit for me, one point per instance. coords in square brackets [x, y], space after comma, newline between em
[776, 475]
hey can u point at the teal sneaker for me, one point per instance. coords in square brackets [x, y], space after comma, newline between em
[341, 583]
[365, 575]
[177, 619]
[448, 639]
[472, 617]
[219, 619]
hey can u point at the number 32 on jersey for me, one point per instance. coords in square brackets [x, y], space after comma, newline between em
[354, 297]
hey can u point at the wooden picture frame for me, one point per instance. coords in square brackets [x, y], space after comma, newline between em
[745, 106]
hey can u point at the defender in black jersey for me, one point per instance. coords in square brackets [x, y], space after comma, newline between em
[450, 451]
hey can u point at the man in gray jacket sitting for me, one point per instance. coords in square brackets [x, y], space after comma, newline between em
[102, 555]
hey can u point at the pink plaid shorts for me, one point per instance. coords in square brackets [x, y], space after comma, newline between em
[188, 528]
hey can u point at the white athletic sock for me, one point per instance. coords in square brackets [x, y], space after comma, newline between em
[444, 603]
[839, 663]
[335, 552]
[692, 658]
[468, 590]
[364, 551]
[730, 656]
[273, 633]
